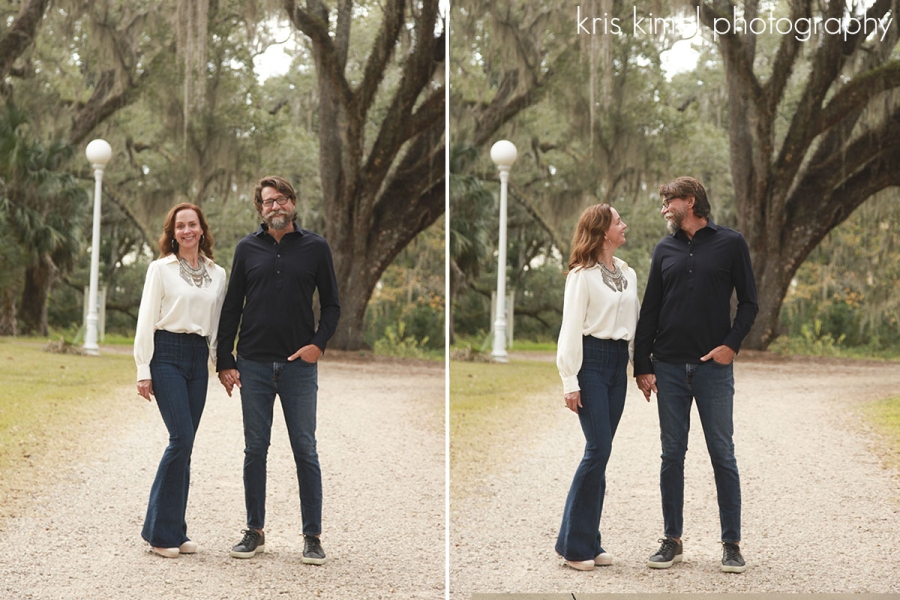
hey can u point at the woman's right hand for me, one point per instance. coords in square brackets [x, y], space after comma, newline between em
[573, 401]
[145, 388]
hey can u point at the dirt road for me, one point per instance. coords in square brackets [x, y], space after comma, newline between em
[381, 446]
[820, 511]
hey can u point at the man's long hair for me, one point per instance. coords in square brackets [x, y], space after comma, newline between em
[684, 187]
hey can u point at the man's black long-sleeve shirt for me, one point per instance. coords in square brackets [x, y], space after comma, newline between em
[270, 294]
[686, 311]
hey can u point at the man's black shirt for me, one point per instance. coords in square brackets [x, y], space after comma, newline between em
[270, 294]
[686, 311]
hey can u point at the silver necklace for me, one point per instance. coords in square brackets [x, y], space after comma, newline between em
[197, 277]
[613, 278]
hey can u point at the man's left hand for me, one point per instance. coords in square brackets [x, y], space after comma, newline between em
[309, 353]
[720, 354]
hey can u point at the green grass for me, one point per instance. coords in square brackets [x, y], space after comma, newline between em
[884, 416]
[529, 346]
[482, 343]
[827, 347]
[45, 395]
[474, 386]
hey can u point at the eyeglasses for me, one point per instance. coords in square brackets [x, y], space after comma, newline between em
[281, 200]
[667, 201]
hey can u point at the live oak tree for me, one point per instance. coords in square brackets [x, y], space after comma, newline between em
[100, 48]
[814, 131]
[383, 184]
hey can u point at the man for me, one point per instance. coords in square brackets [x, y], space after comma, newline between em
[274, 274]
[684, 347]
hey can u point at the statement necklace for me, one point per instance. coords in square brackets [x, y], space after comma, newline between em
[613, 278]
[197, 277]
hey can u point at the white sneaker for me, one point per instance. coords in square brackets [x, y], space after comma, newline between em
[166, 552]
[188, 547]
[581, 565]
[603, 559]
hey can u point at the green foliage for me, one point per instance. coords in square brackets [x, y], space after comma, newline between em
[408, 304]
[397, 343]
[848, 290]
[811, 342]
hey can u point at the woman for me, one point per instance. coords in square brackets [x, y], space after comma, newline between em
[176, 329]
[600, 312]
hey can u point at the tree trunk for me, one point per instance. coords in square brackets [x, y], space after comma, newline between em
[8, 322]
[375, 203]
[33, 307]
[830, 161]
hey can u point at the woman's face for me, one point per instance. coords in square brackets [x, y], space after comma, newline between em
[615, 235]
[187, 229]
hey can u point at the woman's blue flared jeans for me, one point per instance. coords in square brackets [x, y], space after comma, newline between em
[712, 386]
[603, 381]
[180, 378]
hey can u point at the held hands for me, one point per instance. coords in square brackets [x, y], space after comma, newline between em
[309, 353]
[229, 378]
[720, 354]
[647, 384]
[573, 401]
[145, 388]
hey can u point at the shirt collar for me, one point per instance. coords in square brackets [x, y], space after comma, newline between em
[264, 229]
[710, 224]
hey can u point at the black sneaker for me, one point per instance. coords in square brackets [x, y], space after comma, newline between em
[252, 542]
[668, 554]
[312, 551]
[732, 561]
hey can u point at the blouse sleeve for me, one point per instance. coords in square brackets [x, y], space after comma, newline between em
[637, 314]
[213, 336]
[569, 349]
[148, 315]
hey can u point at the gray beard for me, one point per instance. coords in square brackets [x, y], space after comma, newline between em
[280, 221]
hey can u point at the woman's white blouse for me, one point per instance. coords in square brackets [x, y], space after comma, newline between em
[169, 302]
[590, 307]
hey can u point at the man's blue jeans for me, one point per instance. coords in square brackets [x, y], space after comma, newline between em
[180, 378]
[712, 386]
[296, 384]
[603, 381]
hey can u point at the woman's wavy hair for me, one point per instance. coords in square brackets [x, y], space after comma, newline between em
[590, 234]
[167, 243]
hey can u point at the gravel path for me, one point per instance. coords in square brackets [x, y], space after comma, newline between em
[381, 446]
[821, 513]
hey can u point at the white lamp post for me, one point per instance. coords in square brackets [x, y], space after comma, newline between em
[504, 154]
[98, 153]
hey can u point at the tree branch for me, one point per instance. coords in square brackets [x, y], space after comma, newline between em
[382, 50]
[316, 29]
[101, 106]
[854, 96]
[22, 33]
[395, 130]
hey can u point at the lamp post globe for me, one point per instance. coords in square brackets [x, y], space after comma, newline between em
[98, 153]
[504, 154]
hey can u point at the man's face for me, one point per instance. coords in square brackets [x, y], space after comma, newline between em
[675, 210]
[276, 215]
